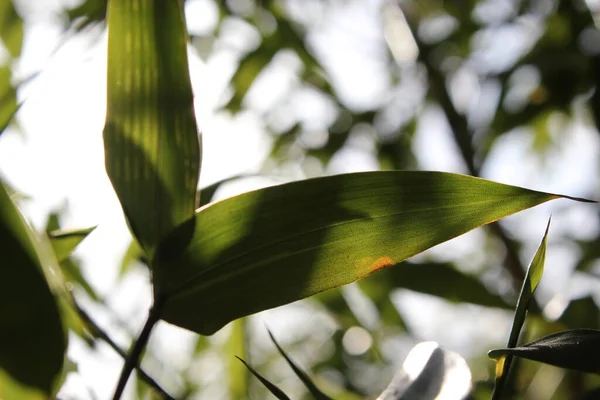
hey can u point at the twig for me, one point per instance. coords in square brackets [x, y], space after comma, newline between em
[101, 334]
[463, 138]
[138, 347]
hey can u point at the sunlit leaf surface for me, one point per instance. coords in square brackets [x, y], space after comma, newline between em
[276, 245]
[31, 332]
[152, 150]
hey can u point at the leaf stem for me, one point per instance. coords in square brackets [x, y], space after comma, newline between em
[138, 347]
[98, 332]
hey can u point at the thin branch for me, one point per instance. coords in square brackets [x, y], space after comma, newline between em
[462, 136]
[133, 359]
[101, 334]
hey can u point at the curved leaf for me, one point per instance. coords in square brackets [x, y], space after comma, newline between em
[27, 307]
[576, 349]
[270, 386]
[279, 244]
[312, 388]
[152, 151]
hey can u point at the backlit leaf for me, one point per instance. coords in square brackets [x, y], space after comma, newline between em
[64, 241]
[11, 28]
[279, 244]
[152, 151]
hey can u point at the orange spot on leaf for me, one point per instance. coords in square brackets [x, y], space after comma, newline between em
[381, 263]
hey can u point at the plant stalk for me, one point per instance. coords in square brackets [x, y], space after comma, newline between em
[99, 333]
[138, 347]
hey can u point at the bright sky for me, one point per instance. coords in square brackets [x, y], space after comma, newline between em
[57, 159]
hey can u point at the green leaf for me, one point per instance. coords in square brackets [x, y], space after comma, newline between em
[270, 386]
[133, 253]
[152, 150]
[31, 331]
[312, 388]
[276, 245]
[11, 28]
[64, 241]
[576, 349]
[449, 283]
[532, 279]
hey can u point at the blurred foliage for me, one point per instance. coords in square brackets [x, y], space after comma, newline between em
[491, 67]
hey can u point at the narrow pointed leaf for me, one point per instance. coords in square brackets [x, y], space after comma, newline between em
[27, 307]
[276, 245]
[575, 349]
[270, 386]
[532, 279]
[65, 241]
[312, 388]
[152, 151]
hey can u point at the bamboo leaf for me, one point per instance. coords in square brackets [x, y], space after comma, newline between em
[576, 349]
[270, 386]
[532, 279]
[65, 241]
[27, 307]
[312, 388]
[152, 151]
[11, 28]
[279, 244]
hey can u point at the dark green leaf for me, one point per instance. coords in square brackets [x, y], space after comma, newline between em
[31, 331]
[312, 388]
[271, 387]
[575, 349]
[276, 245]
[152, 151]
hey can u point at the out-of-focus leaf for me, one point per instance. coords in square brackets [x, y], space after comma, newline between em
[71, 269]
[279, 244]
[449, 283]
[207, 193]
[428, 373]
[270, 386]
[64, 241]
[12, 389]
[133, 253]
[237, 374]
[87, 13]
[532, 279]
[576, 349]
[312, 388]
[27, 307]
[8, 98]
[581, 313]
[152, 150]
[11, 28]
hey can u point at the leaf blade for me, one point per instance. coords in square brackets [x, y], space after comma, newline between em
[34, 360]
[276, 245]
[65, 241]
[152, 150]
